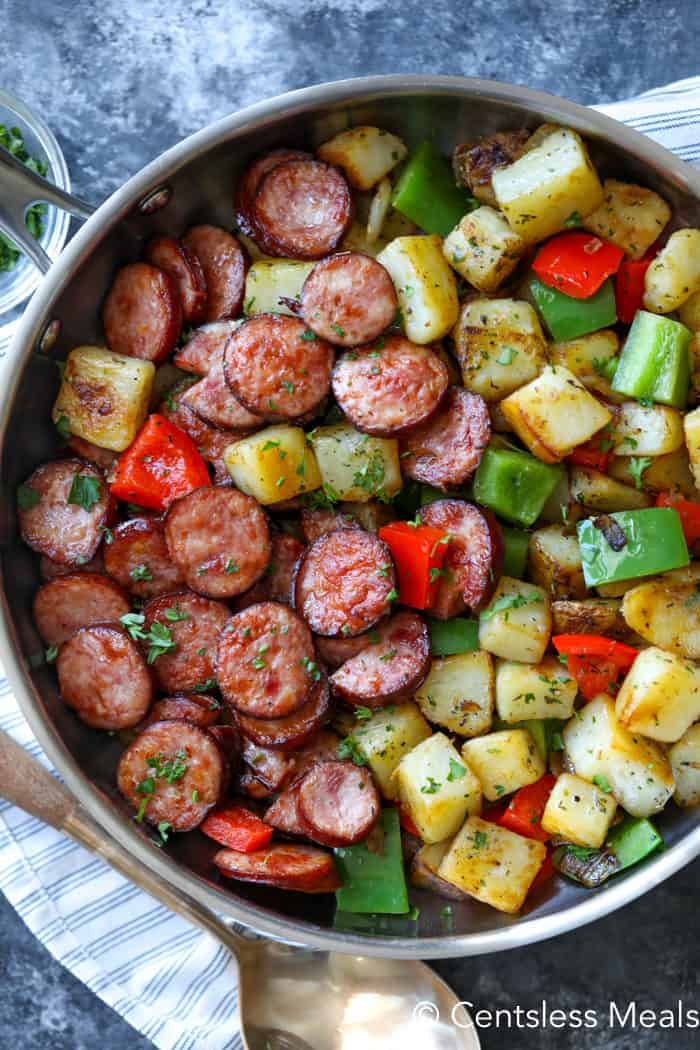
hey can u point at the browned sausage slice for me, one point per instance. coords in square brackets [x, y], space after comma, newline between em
[339, 803]
[204, 347]
[474, 557]
[336, 651]
[390, 670]
[276, 584]
[273, 768]
[80, 599]
[284, 813]
[301, 209]
[228, 739]
[62, 508]
[186, 271]
[173, 773]
[141, 315]
[389, 389]
[292, 732]
[265, 660]
[219, 539]
[49, 570]
[448, 448]
[136, 556]
[248, 185]
[275, 370]
[211, 441]
[348, 299]
[319, 521]
[287, 866]
[103, 458]
[224, 264]
[345, 583]
[104, 678]
[199, 710]
[195, 624]
[213, 400]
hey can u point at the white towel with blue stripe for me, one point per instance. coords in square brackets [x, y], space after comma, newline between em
[174, 984]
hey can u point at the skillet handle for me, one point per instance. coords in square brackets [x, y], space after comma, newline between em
[19, 188]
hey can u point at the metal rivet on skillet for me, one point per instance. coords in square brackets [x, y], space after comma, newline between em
[48, 337]
[155, 200]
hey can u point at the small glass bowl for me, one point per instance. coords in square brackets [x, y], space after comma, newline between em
[18, 284]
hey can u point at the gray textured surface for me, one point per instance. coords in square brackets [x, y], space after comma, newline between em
[119, 82]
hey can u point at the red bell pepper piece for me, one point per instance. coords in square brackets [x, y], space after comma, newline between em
[407, 824]
[524, 811]
[629, 286]
[590, 455]
[161, 464]
[237, 828]
[494, 813]
[418, 552]
[594, 661]
[545, 873]
[688, 512]
[577, 263]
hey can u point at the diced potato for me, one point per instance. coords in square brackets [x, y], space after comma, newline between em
[665, 614]
[370, 515]
[268, 281]
[554, 413]
[691, 429]
[554, 562]
[694, 353]
[632, 217]
[493, 864]
[104, 396]
[458, 693]
[356, 240]
[437, 788]
[547, 185]
[619, 588]
[684, 757]
[646, 430]
[637, 769]
[560, 506]
[520, 629]
[500, 346]
[504, 761]
[355, 466]
[425, 286]
[386, 737]
[254, 251]
[592, 489]
[586, 357]
[664, 473]
[524, 691]
[590, 616]
[483, 248]
[660, 696]
[273, 465]
[674, 275]
[578, 812]
[378, 210]
[366, 154]
[689, 312]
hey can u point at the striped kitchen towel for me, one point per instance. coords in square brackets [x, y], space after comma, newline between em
[174, 984]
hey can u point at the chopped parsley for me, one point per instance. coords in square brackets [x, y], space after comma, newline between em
[603, 783]
[508, 602]
[311, 668]
[159, 638]
[637, 466]
[480, 839]
[27, 497]
[430, 787]
[363, 714]
[350, 748]
[63, 427]
[85, 491]
[230, 567]
[508, 355]
[308, 336]
[141, 572]
[457, 770]
[12, 140]
[174, 613]
[51, 654]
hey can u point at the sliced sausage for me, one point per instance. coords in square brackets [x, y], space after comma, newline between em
[265, 660]
[448, 448]
[276, 584]
[475, 163]
[274, 768]
[275, 370]
[336, 651]
[49, 570]
[173, 773]
[284, 813]
[390, 670]
[213, 401]
[301, 209]
[345, 583]
[67, 532]
[199, 710]
[103, 458]
[319, 521]
[229, 740]
[249, 785]
[223, 262]
[338, 803]
[195, 624]
[184, 267]
[104, 678]
[211, 441]
[287, 866]
[348, 299]
[204, 347]
[142, 315]
[137, 557]
[474, 557]
[293, 731]
[80, 599]
[388, 390]
[248, 185]
[219, 539]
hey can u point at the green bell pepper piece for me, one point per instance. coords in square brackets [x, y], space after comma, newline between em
[514, 484]
[569, 318]
[546, 732]
[448, 637]
[516, 543]
[655, 360]
[374, 882]
[427, 193]
[632, 840]
[631, 543]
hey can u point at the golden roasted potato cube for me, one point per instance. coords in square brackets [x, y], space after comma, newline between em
[691, 429]
[386, 737]
[500, 346]
[554, 562]
[587, 358]
[674, 275]
[646, 430]
[425, 286]
[590, 616]
[269, 281]
[689, 312]
[437, 788]
[517, 623]
[378, 210]
[483, 248]
[684, 757]
[458, 693]
[493, 864]
[632, 217]
[273, 465]
[355, 466]
[365, 153]
[579, 812]
[525, 691]
[504, 761]
[104, 396]
[666, 614]
[592, 489]
[547, 185]
[670, 471]
[660, 696]
[554, 413]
